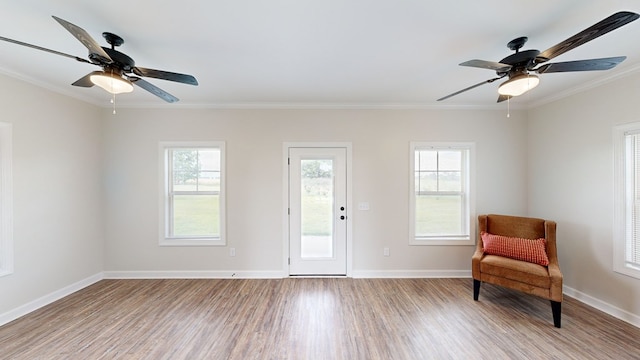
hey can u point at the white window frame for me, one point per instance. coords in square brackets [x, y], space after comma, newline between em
[165, 211]
[469, 222]
[6, 200]
[622, 228]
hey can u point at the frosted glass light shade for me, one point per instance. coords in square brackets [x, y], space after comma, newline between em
[112, 83]
[518, 85]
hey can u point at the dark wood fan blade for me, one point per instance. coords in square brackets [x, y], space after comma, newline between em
[165, 75]
[43, 49]
[85, 81]
[581, 65]
[95, 51]
[470, 87]
[153, 89]
[502, 98]
[611, 23]
[483, 64]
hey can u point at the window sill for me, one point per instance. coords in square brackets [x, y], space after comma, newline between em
[4, 272]
[628, 270]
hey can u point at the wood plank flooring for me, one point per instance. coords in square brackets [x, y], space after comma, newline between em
[327, 318]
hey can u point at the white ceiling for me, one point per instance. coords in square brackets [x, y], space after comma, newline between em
[314, 53]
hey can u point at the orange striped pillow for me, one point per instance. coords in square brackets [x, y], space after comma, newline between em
[533, 251]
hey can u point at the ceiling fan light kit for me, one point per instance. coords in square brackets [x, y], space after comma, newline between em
[119, 72]
[521, 67]
[518, 85]
[112, 83]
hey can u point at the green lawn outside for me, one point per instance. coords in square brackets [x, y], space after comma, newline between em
[196, 215]
[438, 215]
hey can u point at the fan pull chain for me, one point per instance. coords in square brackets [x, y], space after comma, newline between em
[508, 106]
[113, 99]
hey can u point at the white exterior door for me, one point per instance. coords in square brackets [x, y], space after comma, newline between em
[317, 211]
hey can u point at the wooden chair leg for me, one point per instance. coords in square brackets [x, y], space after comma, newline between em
[476, 289]
[556, 309]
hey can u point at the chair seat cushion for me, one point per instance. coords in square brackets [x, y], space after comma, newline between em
[517, 270]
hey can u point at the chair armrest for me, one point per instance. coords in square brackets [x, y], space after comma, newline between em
[475, 262]
[479, 253]
[555, 290]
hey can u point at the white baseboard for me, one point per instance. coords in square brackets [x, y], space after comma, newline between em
[48, 299]
[398, 274]
[614, 311]
[207, 274]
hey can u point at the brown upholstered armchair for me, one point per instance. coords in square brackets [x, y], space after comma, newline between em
[534, 279]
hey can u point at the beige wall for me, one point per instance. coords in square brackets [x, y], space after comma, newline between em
[571, 181]
[254, 143]
[57, 176]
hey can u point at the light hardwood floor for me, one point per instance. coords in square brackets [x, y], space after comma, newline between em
[328, 318]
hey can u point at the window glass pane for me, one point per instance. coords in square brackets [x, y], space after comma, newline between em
[209, 181]
[449, 181]
[185, 169]
[184, 181]
[438, 215]
[633, 244]
[196, 215]
[427, 181]
[450, 160]
[317, 208]
[185, 159]
[209, 159]
[426, 160]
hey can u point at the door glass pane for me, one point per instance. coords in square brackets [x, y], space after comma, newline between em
[316, 208]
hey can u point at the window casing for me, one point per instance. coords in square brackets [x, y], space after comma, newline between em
[6, 200]
[193, 211]
[441, 194]
[627, 200]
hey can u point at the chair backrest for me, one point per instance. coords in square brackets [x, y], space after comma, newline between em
[514, 226]
[522, 227]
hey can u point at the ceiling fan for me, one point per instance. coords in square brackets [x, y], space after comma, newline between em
[118, 70]
[521, 67]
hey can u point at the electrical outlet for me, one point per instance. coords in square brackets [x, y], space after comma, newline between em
[386, 251]
[232, 252]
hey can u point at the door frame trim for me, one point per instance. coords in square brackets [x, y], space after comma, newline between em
[285, 199]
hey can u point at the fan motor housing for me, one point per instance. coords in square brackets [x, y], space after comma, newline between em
[120, 60]
[522, 57]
